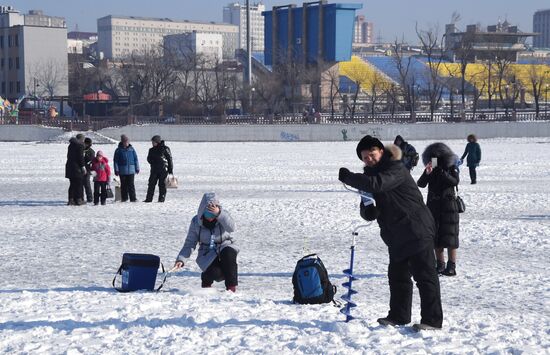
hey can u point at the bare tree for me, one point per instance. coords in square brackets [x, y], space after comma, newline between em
[538, 78]
[51, 76]
[407, 80]
[431, 45]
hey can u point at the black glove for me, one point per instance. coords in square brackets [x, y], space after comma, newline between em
[343, 174]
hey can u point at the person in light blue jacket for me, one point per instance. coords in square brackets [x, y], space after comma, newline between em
[126, 165]
[217, 254]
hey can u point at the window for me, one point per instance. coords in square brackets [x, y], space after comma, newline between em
[9, 41]
[11, 87]
[17, 40]
[18, 87]
[16, 62]
[1, 41]
[10, 63]
[2, 63]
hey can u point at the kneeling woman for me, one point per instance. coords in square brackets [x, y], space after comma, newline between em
[217, 254]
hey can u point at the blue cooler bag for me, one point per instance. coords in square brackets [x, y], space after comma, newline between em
[139, 272]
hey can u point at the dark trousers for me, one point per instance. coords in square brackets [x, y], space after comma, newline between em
[473, 175]
[88, 187]
[223, 268]
[421, 267]
[76, 189]
[100, 190]
[127, 188]
[160, 177]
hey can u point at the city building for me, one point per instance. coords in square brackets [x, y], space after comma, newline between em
[363, 31]
[541, 25]
[498, 41]
[207, 46]
[235, 14]
[80, 42]
[120, 36]
[33, 54]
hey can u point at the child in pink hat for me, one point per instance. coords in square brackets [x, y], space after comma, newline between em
[100, 165]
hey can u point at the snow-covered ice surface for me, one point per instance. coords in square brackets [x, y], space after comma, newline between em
[57, 262]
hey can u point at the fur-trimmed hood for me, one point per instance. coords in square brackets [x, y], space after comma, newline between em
[445, 156]
[395, 151]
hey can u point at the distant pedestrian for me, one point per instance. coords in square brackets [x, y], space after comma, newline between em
[126, 165]
[89, 155]
[473, 151]
[160, 159]
[410, 156]
[442, 177]
[100, 165]
[75, 170]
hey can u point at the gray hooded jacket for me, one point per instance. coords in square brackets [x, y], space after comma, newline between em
[199, 234]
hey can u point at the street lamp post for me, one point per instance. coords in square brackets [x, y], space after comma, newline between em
[506, 88]
[546, 102]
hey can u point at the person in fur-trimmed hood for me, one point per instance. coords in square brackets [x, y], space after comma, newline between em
[217, 254]
[406, 226]
[441, 176]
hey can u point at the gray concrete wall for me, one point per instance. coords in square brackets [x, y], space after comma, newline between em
[23, 133]
[335, 132]
[221, 133]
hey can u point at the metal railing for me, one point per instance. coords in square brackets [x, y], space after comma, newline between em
[97, 123]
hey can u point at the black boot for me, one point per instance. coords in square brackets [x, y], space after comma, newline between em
[161, 198]
[440, 267]
[450, 270]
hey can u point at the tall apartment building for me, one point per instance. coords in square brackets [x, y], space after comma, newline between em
[541, 25]
[363, 31]
[235, 14]
[120, 36]
[33, 54]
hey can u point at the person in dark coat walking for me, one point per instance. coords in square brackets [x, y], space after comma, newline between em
[217, 254]
[75, 169]
[410, 156]
[406, 227]
[473, 151]
[126, 165]
[160, 159]
[442, 178]
[89, 155]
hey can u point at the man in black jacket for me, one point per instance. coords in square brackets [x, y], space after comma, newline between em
[407, 228]
[160, 159]
[89, 155]
[75, 169]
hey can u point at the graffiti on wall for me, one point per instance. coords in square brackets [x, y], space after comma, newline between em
[289, 137]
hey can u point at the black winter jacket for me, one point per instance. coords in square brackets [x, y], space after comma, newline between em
[75, 160]
[441, 194]
[160, 159]
[406, 224]
[89, 155]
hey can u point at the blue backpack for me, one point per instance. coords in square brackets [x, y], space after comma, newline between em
[311, 283]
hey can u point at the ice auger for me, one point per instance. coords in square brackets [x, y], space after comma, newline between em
[349, 272]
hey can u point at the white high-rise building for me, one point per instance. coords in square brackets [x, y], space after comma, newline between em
[120, 36]
[235, 14]
[33, 54]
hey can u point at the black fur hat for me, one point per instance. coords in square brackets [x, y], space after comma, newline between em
[445, 156]
[366, 143]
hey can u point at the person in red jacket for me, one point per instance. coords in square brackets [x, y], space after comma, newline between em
[100, 165]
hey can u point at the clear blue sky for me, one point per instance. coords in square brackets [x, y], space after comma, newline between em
[392, 18]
